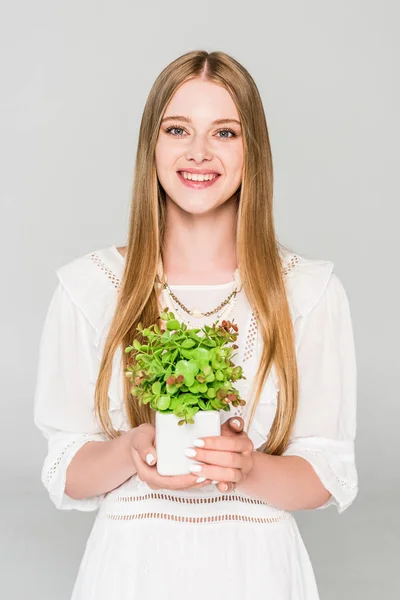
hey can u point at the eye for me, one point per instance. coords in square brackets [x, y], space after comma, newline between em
[227, 130]
[178, 129]
[170, 129]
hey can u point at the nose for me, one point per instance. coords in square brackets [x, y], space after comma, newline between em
[198, 149]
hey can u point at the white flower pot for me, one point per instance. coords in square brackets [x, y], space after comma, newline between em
[172, 439]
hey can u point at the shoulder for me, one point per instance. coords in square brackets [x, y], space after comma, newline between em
[306, 280]
[92, 281]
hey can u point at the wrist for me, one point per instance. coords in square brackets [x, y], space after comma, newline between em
[126, 442]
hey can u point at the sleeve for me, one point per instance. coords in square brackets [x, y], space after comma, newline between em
[325, 427]
[64, 395]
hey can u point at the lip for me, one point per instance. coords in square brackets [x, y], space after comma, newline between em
[200, 171]
[198, 185]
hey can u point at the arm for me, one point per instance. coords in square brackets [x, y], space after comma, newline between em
[99, 467]
[64, 412]
[287, 482]
[317, 469]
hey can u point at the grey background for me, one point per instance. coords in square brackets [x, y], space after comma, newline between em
[75, 77]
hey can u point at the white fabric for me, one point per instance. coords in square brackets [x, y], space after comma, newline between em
[146, 544]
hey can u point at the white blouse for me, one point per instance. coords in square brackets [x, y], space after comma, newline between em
[73, 337]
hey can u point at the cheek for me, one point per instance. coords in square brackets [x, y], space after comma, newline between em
[234, 164]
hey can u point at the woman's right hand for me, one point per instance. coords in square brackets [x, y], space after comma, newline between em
[144, 456]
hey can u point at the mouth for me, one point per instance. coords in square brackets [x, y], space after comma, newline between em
[198, 181]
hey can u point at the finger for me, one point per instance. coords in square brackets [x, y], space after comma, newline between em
[225, 487]
[151, 476]
[239, 442]
[232, 426]
[237, 460]
[215, 472]
[236, 423]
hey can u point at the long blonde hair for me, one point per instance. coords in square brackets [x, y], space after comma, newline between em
[257, 246]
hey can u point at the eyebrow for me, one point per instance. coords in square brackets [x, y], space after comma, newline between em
[189, 120]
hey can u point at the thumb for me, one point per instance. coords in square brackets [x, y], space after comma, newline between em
[236, 424]
[144, 443]
[232, 425]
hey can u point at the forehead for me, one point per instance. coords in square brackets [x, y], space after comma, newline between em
[202, 101]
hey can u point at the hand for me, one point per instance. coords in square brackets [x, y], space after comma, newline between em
[144, 456]
[228, 458]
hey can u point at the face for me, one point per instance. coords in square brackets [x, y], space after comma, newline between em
[193, 146]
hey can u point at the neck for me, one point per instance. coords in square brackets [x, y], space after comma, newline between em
[200, 249]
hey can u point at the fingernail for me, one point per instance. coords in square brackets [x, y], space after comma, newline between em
[199, 443]
[149, 458]
[195, 468]
[226, 487]
[201, 479]
[214, 481]
[190, 452]
[236, 422]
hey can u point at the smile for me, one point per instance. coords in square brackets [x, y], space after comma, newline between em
[197, 181]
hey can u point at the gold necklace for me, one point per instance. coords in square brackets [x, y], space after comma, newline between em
[229, 302]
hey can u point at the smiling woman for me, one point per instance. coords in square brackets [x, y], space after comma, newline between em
[202, 243]
[197, 146]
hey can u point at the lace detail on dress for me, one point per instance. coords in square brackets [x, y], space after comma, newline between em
[53, 469]
[117, 282]
[291, 264]
[188, 500]
[109, 273]
[49, 474]
[164, 504]
[251, 339]
[342, 482]
[210, 519]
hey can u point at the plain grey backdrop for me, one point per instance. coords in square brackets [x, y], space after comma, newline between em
[74, 80]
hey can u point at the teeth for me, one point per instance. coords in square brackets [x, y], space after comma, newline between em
[198, 177]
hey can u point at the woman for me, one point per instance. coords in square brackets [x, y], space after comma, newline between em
[202, 208]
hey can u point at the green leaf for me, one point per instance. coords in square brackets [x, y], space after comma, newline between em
[195, 387]
[188, 354]
[188, 399]
[175, 402]
[209, 343]
[137, 344]
[202, 404]
[219, 375]
[165, 358]
[163, 402]
[173, 324]
[187, 368]
[172, 389]
[156, 387]
[188, 344]
[202, 355]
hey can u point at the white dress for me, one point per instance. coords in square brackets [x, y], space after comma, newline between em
[191, 544]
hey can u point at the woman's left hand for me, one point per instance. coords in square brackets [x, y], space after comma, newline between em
[225, 459]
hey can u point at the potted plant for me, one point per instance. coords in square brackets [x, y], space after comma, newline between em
[187, 379]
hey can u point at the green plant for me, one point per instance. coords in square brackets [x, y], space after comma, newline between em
[178, 371]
